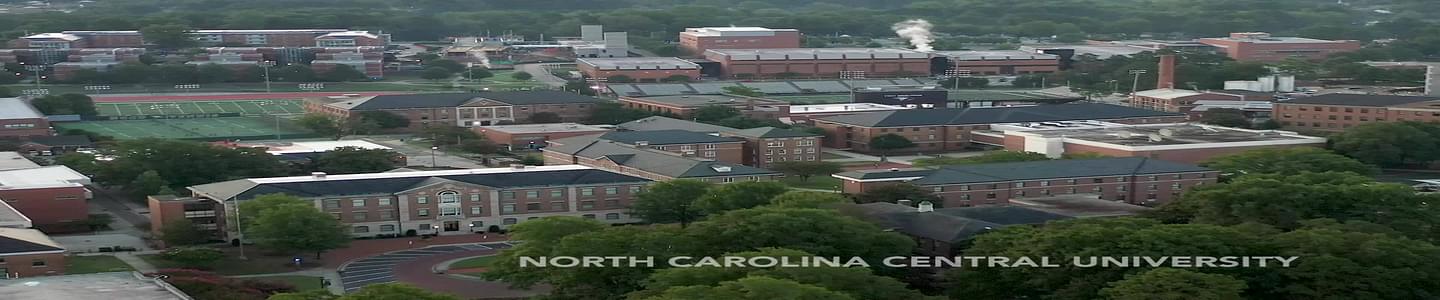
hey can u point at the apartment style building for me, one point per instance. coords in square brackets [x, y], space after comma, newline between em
[763, 146]
[460, 109]
[1176, 142]
[696, 41]
[240, 38]
[534, 136]
[1262, 47]
[1337, 112]
[53, 198]
[19, 120]
[434, 202]
[820, 62]
[641, 69]
[1178, 100]
[1135, 180]
[684, 105]
[952, 129]
[684, 143]
[648, 162]
[1001, 62]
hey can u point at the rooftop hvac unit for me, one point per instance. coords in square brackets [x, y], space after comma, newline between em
[642, 143]
[1124, 134]
[1167, 132]
[721, 169]
[1156, 137]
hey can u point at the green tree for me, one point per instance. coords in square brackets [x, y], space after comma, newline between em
[479, 146]
[448, 65]
[807, 169]
[1175, 284]
[545, 117]
[293, 73]
[66, 104]
[889, 142]
[5, 91]
[1227, 117]
[714, 113]
[477, 73]
[386, 120]
[322, 125]
[146, 184]
[743, 91]
[296, 228]
[436, 73]
[353, 160]
[521, 75]
[671, 201]
[532, 160]
[342, 73]
[129, 73]
[322, 294]
[676, 79]
[448, 135]
[740, 195]
[253, 208]
[213, 73]
[989, 157]
[752, 288]
[194, 257]
[182, 232]
[1389, 144]
[808, 199]
[824, 233]
[896, 192]
[173, 73]
[168, 36]
[83, 162]
[965, 83]
[1286, 161]
[859, 283]
[661, 242]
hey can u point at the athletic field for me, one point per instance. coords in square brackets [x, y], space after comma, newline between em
[209, 129]
[241, 107]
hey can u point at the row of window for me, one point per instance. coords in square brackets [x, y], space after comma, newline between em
[799, 143]
[1021, 184]
[1047, 192]
[19, 126]
[782, 151]
[474, 224]
[452, 197]
[33, 263]
[786, 158]
[1332, 109]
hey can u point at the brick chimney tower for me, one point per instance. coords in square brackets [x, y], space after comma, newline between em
[1166, 78]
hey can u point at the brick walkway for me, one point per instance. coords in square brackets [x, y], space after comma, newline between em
[366, 248]
[419, 272]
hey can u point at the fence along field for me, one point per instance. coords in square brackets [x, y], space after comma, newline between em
[196, 120]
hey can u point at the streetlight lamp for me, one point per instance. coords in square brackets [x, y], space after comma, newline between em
[265, 65]
[432, 155]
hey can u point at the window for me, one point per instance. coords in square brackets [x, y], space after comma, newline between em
[1122, 179]
[449, 197]
[557, 194]
[507, 208]
[422, 200]
[559, 205]
[1176, 186]
[387, 215]
[1121, 188]
[587, 191]
[709, 146]
[634, 189]
[612, 203]
[1072, 181]
[507, 195]
[424, 212]
[612, 216]
[332, 203]
[612, 190]
[532, 194]
[532, 206]
[588, 216]
[807, 142]
[1045, 192]
[990, 195]
[1097, 180]
[1070, 190]
[19, 126]
[357, 202]
[964, 187]
[1150, 196]
[709, 153]
[1098, 189]
[781, 152]
[727, 179]
[937, 189]
[449, 211]
[474, 196]
[1154, 178]
[477, 210]
[775, 144]
[509, 221]
[1045, 183]
[387, 228]
[587, 204]
[1020, 184]
[1019, 193]
[335, 215]
[37, 263]
[477, 224]
[382, 202]
[964, 196]
[1151, 187]
[359, 216]
[361, 229]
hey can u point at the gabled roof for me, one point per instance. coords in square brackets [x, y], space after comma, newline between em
[393, 182]
[63, 140]
[539, 97]
[17, 240]
[1360, 100]
[665, 137]
[650, 160]
[953, 224]
[1030, 170]
[438, 100]
[14, 108]
[994, 115]
[665, 123]
[772, 132]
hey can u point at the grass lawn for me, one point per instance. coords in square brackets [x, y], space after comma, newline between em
[301, 283]
[815, 182]
[258, 263]
[474, 262]
[94, 264]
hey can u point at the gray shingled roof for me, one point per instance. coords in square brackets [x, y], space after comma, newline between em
[649, 160]
[456, 99]
[1360, 100]
[772, 132]
[1032, 170]
[245, 188]
[665, 123]
[954, 224]
[994, 115]
[665, 137]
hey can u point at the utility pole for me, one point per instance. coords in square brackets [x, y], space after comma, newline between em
[1135, 86]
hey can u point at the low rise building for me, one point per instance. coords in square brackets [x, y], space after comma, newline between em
[1178, 100]
[52, 197]
[207, 216]
[765, 146]
[667, 123]
[805, 113]
[820, 62]
[696, 41]
[305, 152]
[647, 162]
[460, 109]
[1180, 142]
[684, 105]
[443, 202]
[641, 69]
[910, 96]
[1001, 62]
[534, 136]
[29, 253]
[1257, 112]
[1337, 112]
[19, 120]
[1262, 47]
[942, 130]
[56, 145]
[225, 37]
[684, 143]
[1135, 180]
[109, 285]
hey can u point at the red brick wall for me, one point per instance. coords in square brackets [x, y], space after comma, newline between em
[823, 68]
[698, 44]
[24, 265]
[1246, 51]
[49, 206]
[38, 127]
[1183, 155]
[1008, 67]
[638, 75]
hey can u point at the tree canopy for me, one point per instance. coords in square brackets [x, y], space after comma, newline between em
[807, 169]
[1390, 144]
[65, 104]
[740, 195]
[673, 201]
[295, 228]
[1286, 161]
[353, 160]
[183, 163]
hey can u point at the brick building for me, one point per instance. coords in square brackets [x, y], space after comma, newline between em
[366, 60]
[1262, 47]
[820, 62]
[19, 120]
[647, 162]
[943, 130]
[1337, 112]
[696, 41]
[29, 253]
[641, 69]
[204, 214]
[765, 146]
[52, 197]
[534, 136]
[1002, 62]
[1135, 180]
[805, 113]
[1188, 143]
[684, 143]
[441, 202]
[684, 105]
[1177, 100]
[460, 109]
[242, 38]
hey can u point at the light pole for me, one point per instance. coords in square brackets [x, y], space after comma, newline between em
[36, 69]
[265, 65]
[849, 75]
[240, 233]
[956, 74]
[1135, 86]
[432, 156]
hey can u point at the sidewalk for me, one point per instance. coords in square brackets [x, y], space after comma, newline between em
[329, 274]
[140, 265]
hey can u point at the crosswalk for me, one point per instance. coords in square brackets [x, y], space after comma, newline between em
[381, 268]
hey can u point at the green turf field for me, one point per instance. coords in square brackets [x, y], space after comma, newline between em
[242, 107]
[192, 129]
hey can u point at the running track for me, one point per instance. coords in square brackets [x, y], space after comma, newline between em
[246, 96]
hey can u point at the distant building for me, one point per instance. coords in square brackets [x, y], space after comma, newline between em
[29, 253]
[684, 105]
[763, 146]
[534, 136]
[1136, 180]
[665, 123]
[1178, 100]
[1262, 47]
[683, 143]
[460, 109]
[238, 38]
[1338, 112]
[647, 162]
[19, 120]
[804, 113]
[908, 96]
[1187, 143]
[820, 62]
[641, 69]
[1001, 62]
[1256, 112]
[52, 197]
[594, 42]
[56, 145]
[307, 152]
[952, 129]
[697, 40]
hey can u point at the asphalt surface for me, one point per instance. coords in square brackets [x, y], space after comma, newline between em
[541, 74]
[381, 268]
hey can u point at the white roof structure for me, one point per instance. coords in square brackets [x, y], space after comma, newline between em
[819, 53]
[349, 34]
[639, 63]
[315, 147]
[734, 31]
[997, 55]
[1204, 105]
[53, 35]
[50, 176]
[13, 161]
[842, 107]
[1167, 93]
[14, 108]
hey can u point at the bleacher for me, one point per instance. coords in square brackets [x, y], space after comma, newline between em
[795, 87]
[773, 87]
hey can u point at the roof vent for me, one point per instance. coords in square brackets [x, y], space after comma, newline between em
[721, 169]
[318, 175]
[894, 169]
[642, 143]
[925, 206]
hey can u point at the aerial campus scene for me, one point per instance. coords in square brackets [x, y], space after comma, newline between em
[721, 149]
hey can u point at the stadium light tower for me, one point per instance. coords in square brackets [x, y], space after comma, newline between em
[851, 75]
[265, 65]
[1135, 86]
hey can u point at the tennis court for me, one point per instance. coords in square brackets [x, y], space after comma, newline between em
[193, 129]
[241, 107]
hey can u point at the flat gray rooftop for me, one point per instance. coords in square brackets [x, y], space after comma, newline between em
[1080, 206]
[107, 286]
[1169, 134]
[14, 108]
[14, 161]
[639, 63]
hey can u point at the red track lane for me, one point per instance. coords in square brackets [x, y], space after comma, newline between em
[245, 96]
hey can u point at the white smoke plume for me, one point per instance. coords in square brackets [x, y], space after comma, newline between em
[918, 32]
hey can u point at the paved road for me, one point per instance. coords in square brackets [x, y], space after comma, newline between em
[382, 268]
[113, 204]
[541, 74]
